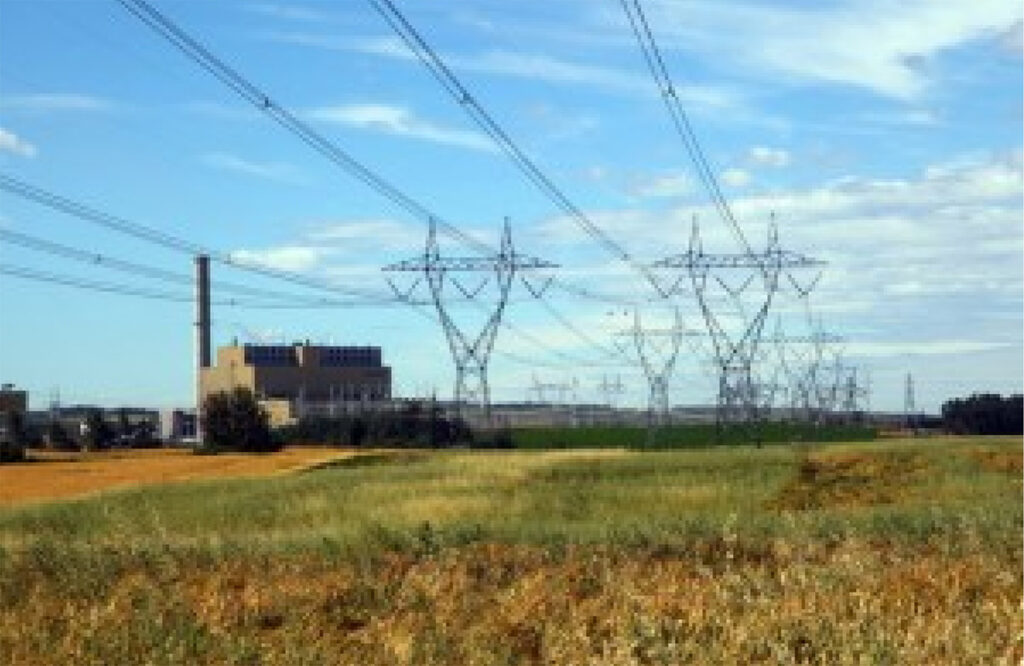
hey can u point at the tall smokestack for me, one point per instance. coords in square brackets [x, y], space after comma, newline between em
[203, 310]
[202, 333]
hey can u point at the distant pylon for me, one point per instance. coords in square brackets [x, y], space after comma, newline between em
[908, 401]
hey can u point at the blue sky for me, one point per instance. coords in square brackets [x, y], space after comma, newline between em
[885, 136]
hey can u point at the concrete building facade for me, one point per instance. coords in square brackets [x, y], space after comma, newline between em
[285, 377]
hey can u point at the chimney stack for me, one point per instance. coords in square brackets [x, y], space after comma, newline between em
[202, 333]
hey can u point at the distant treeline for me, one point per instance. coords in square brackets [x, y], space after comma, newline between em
[416, 425]
[984, 414]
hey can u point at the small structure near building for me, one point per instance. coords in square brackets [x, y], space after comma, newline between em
[178, 426]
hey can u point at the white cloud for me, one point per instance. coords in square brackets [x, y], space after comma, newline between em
[12, 143]
[269, 170]
[376, 234]
[290, 12]
[736, 178]
[952, 232]
[664, 186]
[400, 121]
[1013, 39]
[882, 45]
[770, 157]
[533, 66]
[923, 348]
[287, 257]
[55, 102]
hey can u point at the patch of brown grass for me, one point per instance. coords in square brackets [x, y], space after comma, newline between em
[851, 603]
[55, 475]
[1006, 461]
[850, 479]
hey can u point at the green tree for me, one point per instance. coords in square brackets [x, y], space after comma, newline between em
[124, 426]
[235, 422]
[143, 435]
[98, 433]
[13, 437]
[57, 436]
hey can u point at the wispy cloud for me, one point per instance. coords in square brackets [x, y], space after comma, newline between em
[951, 232]
[517, 64]
[12, 143]
[400, 121]
[735, 177]
[766, 156]
[881, 45]
[290, 12]
[278, 171]
[361, 235]
[56, 102]
[921, 348]
[286, 257]
[666, 185]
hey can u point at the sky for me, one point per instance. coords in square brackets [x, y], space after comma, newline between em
[883, 137]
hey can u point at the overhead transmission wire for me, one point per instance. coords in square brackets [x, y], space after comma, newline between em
[680, 120]
[220, 70]
[263, 102]
[106, 261]
[444, 76]
[157, 237]
[96, 285]
[142, 232]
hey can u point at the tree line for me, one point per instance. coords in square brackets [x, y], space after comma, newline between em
[984, 414]
[235, 422]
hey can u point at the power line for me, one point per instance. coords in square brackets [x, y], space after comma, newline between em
[157, 237]
[659, 71]
[106, 261]
[444, 76]
[177, 297]
[263, 102]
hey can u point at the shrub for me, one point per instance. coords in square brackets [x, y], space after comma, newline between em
[12, 437]
[236, 422]
[98, 434]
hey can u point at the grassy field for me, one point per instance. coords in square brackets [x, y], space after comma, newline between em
[681, 436]
[894, 552]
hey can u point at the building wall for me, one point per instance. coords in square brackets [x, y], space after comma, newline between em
[298, 373]
[13, 401]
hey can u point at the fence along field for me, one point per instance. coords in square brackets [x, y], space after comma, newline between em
[901, 552]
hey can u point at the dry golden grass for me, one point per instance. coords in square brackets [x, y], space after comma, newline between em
[837, 479]
[722, 602]
[1008, 462]
[58, 475]
[900, 552]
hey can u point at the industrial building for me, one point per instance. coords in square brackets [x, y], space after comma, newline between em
[12, 399]
[292, 380]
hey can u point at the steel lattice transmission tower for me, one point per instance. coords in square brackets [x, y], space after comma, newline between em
[470, 352]
[734, 347]
[657, 360]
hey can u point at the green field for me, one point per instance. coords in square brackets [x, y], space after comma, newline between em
[675, 437]
[899, 551]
